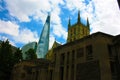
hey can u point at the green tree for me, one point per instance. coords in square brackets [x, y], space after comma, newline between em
[30, 54]
[6, 60]
[17, 56]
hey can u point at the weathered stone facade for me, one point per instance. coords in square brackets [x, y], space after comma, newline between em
[39, 69]
[94, 57]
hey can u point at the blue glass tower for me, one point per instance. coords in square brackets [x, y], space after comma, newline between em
[43, 44]
[25, 48]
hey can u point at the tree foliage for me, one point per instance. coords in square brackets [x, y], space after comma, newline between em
[17, 56]
[30, 54]
[7, 59]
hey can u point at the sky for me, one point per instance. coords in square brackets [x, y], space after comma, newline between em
[21, 21]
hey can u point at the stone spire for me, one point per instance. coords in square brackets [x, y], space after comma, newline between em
[78, 17]
[69, 23]
[88, 25]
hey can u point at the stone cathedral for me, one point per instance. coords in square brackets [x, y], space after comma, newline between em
[78, 30]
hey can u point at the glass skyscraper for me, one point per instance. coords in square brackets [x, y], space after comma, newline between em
[25, 48]
[43, 44]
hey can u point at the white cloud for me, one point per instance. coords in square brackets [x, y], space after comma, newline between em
[17, 34]
[55, 16]
[52, 39]
[23, 9]
[9, 28]
[104, 15]
[107, 15]
[74, 4]
[59, 31]
[25, 36]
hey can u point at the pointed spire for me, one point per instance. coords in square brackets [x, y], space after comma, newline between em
[48, 18]
[78, 16]
[87, 22]
[43, 44]
[69, 23]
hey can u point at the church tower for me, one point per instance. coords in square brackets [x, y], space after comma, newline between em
[78, 30]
